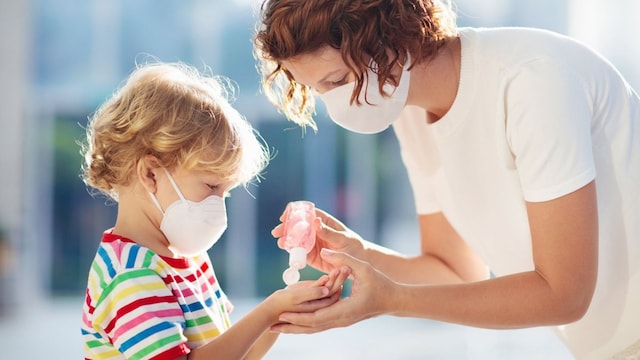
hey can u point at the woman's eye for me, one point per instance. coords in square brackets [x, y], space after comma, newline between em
[213, 187]
[340, 82]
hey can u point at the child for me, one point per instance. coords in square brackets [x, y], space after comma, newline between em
[168, 148]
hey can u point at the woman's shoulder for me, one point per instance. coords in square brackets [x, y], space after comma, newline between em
[510, 31]
[524, 41]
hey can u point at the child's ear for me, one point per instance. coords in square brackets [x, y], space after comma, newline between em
[146, 171]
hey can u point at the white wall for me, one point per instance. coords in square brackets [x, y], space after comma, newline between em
[612, 28]
[14, 67]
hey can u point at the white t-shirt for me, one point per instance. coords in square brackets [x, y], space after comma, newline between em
[537, 116]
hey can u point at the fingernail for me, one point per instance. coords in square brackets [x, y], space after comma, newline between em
[326, 252]
[283, 319]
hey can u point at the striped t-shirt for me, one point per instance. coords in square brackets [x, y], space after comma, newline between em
[140, 305]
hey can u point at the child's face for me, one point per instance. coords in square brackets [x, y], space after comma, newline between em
[194, 185]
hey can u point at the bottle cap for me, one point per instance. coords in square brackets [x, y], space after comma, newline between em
[298, 257]
[291, 276]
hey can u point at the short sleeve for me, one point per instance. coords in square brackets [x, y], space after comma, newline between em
[548, 125]
[141, 317]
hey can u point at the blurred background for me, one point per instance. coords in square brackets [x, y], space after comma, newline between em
[59, 59]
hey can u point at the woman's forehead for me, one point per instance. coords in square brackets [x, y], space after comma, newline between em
[310, 68]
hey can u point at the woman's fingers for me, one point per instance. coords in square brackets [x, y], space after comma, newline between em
[330, 221]
[339, 314]
[278, 230]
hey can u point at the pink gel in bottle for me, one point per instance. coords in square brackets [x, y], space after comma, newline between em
[299, 237]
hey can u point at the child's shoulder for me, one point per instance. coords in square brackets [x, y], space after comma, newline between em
[122, 253]
[117, 254]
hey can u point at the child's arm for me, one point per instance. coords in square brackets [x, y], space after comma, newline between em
[251, 330]
[235, 342]
[262, 345]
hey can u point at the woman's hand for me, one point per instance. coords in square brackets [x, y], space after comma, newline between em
[372, 294]
[330, 234]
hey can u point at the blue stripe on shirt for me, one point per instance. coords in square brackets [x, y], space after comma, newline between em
[107, 261]
[141, 336]
[133, 254]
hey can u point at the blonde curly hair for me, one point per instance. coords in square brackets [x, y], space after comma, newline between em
[179, 115]
[381, 30]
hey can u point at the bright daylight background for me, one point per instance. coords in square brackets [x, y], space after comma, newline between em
[60, 58]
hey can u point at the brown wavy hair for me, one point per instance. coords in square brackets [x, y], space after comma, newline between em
[177, 114]
[362, 30]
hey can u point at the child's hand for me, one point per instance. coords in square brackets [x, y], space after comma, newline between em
[307, 296]
[335, 280]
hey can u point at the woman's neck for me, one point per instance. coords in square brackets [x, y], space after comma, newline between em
[434, 83]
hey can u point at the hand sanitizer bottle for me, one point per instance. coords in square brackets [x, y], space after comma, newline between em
[299, 237]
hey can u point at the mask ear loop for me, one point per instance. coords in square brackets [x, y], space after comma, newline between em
[388, 86]
[156, 202]
[404, 72]
[175, 187]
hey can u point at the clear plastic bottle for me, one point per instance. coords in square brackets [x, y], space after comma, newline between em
[299, 237]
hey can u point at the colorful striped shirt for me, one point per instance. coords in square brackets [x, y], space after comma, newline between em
[140, 305]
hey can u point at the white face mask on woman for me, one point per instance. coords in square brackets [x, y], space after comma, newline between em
[374, 114]
[192, 227]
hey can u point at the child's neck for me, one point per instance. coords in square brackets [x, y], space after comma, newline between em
[141, 224]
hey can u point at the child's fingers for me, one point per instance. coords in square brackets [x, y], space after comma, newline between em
[341, 276]
[303, 295]
[313, 305]
[336, 279]
[331, 278]
[323, 281]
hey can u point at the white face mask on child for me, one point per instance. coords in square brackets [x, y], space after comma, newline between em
[374, 114]
[192, 227]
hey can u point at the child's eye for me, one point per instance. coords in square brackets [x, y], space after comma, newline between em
[213, 187]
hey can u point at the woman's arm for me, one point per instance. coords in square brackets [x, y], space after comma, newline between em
[558, 291]
[445, 258]
[564, 235]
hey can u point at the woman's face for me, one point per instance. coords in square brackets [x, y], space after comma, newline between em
[322, 70]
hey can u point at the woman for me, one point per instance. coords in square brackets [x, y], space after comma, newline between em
[523, 150]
